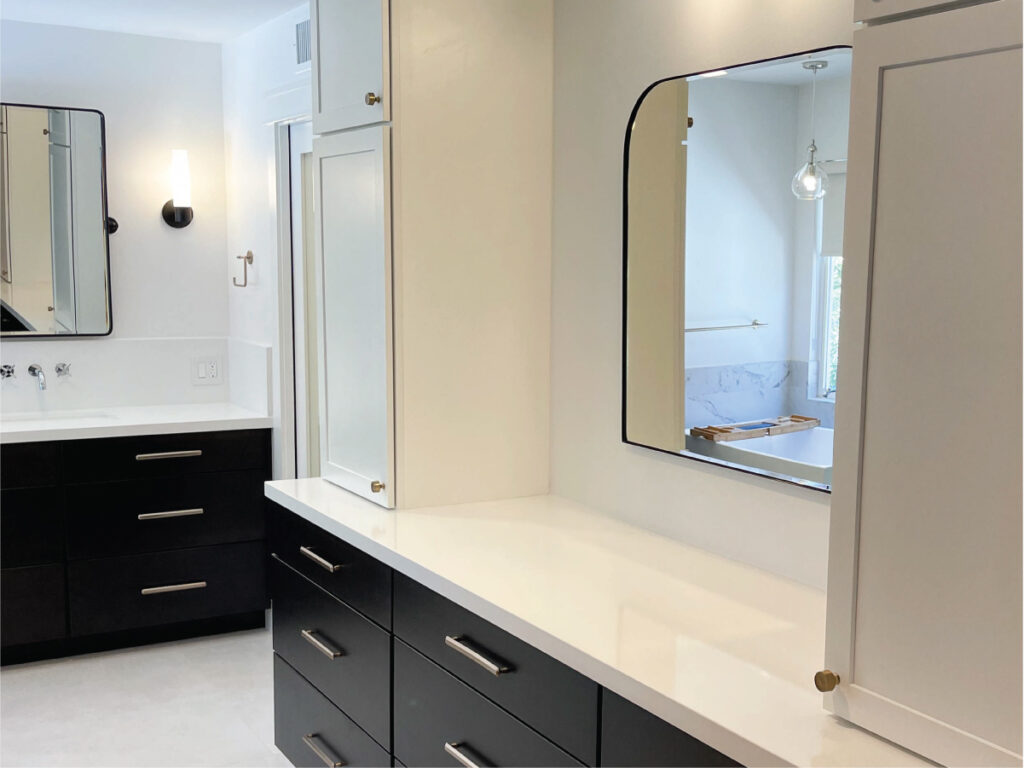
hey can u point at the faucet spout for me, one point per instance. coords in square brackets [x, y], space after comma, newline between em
[37, 370]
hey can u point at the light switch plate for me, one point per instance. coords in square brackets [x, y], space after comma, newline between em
[207, 371]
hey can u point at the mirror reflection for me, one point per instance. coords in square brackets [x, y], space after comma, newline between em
[735, 192]
[53, 235]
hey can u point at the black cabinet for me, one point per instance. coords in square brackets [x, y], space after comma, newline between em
[632, 736]
[346, 656]
[165, 535]
[544, 693]
[347, 573]
[311, 731]
[436, 714]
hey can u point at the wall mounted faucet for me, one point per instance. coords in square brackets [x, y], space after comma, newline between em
[37, 370]
[63, 369]
[6, 371]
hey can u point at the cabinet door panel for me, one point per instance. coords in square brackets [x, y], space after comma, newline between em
[353, 238]
[32, 604]
[924, 603]
[877, 10]
[351, 56]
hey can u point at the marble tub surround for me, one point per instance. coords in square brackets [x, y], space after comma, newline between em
[719, 649]
[724, 394]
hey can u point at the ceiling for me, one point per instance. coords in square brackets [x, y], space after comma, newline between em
[206, 20]
[790, 71]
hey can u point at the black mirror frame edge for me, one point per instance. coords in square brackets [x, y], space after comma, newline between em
[106, 235]
[625, 284]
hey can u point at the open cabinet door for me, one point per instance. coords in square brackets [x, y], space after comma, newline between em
[924, 589]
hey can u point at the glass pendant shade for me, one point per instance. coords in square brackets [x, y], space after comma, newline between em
[811, 181]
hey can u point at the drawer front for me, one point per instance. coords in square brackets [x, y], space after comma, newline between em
[632, 736]
[32, 604]
[347, 573]
[147, 590]
[123, 458]
[434, 709]
[549, 696]
[31, 527]
[345, 655]
[310, 731]
[29, 464]
[164, 513]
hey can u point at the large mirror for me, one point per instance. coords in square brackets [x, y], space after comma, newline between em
[734, 195]
[54, 264]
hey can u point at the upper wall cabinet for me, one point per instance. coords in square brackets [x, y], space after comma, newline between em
[879, 10]
[434, 265]
[924, 585]
[351, 56]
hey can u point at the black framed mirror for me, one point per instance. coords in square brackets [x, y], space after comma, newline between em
[733, 202]
[54, 226]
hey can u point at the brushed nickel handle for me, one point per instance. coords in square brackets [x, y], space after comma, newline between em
[174, 588]
[452, 749]
[325, 564]
[167, 455]
[458, 643]
[376, 486]
[171, 513]
[327, 650]
[372, 98]
[322, 751]
[826, 680]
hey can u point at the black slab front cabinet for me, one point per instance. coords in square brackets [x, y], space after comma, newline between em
[122, 541]
[372, 668]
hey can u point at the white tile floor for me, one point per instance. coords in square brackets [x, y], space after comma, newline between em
[201, 702]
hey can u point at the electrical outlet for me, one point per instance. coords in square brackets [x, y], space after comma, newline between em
[206, 371]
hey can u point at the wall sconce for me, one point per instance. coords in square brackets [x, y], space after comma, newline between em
[178, 210]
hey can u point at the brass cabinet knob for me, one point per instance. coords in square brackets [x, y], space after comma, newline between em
[826, 680]
[376, 486]
[372, 98]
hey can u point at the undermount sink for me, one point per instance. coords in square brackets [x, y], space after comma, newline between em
[52, 416]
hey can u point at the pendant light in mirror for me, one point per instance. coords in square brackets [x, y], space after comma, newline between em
[811, 181]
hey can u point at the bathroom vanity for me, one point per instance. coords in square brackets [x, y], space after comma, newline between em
[122, 540]
[535, 632]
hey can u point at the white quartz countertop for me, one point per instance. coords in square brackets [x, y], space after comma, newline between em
[722, 650]
[38, 426]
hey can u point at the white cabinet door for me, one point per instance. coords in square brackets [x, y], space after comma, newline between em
[351, 63]
[877, 10]
[924, 589]
[352, 178]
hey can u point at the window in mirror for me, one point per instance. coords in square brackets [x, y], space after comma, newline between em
[731, 282]
[54, 264]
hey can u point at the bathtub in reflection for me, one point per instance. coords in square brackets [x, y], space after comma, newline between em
[806, 455]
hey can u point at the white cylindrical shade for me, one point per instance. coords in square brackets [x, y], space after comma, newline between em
[181, 181]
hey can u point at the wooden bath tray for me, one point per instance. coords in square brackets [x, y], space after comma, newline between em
[746, 430]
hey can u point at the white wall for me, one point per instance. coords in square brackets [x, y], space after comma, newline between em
[606, 53]
[262, 85]
[156, 95]
[739, 220]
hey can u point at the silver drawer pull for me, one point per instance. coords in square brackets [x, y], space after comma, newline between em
[174, 588]
[326, 565]
[325, 648]
[458, 644]
[167, 455]
[171, 513]
[321, 750]
[453, 749]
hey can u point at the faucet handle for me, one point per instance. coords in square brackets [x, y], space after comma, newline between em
[63, 369]
[6, 371]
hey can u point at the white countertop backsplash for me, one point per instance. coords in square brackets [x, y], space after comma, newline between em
[722, 650]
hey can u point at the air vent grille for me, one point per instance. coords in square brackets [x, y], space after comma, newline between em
[302, 51]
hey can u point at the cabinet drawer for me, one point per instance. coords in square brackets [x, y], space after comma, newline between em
[164, 513]
[632, 736]
[310, 626]
[27, 464]
[310, 731]
[146, 590]
[544, 693]
[31, 527]
[434, 709]
[32, 604]
[122, 458]
[347, 573]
